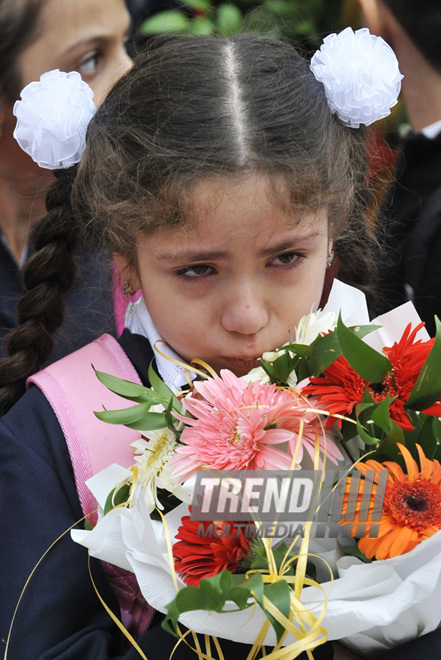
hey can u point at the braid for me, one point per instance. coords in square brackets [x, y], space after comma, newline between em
[48, 274]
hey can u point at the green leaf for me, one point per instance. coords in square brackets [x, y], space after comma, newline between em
[201, 25]
[305, 27]
[252, 584]
[282, 367]
[283, 8]
[124, 388]
[268, 369]
[356, 552]
[365, 361]
[326, 349]
[216, 589]
[211, 595]
[279, 594]
[427, 389]
[116, 497]
[367, 437]
[299, 349]
[380, 413]
[374, 424]
[163, 390]
[430, 436]
[165, 21]
[136, 417]
[228, 19]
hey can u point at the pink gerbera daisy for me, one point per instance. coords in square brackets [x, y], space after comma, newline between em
[236, 426]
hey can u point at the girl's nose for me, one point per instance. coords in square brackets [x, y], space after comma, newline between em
[244, 311]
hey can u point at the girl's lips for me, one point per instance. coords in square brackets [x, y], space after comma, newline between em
[244, 364]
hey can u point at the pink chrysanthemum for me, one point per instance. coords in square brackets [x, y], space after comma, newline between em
[236, 425]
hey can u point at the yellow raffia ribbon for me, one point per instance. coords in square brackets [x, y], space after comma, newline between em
[114, 618]
[31, 574]
[184, 365]
[125, 632]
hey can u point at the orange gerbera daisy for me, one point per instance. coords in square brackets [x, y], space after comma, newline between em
[411, 508]
[341, 388]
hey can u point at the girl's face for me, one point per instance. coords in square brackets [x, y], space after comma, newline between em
[234, 283]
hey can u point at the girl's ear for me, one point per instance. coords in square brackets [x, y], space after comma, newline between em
[127, 271]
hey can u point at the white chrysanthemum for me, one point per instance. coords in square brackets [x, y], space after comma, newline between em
[52, 119]
[360, 74]
[314, 324]
[256, 375]
[152, 456]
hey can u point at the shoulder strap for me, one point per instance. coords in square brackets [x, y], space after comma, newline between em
[74, 392]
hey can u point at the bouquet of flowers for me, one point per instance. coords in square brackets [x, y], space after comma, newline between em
[363, 396]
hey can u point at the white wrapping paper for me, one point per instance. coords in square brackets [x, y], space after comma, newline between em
[371, 607]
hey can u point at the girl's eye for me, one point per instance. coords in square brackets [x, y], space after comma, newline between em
[287, 259]
[198, 271]
[89, 64]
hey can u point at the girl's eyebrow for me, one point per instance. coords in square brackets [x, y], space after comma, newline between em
[98, 39]
[191, 255]
[212, 255]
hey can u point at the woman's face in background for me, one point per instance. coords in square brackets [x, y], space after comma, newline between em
[87, 36]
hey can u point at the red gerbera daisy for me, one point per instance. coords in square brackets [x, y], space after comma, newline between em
[341, 388]
[200, 556]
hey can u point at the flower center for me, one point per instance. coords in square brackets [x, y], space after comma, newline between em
[415, 504]
[161, 450]
[378, 388]
[236, 440]
[387, 386]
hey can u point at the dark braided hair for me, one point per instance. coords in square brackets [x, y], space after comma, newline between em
[47, 276]
[192, 108]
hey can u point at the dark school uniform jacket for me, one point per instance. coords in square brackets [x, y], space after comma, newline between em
[60, 616]
[412, 214]
[89, 304]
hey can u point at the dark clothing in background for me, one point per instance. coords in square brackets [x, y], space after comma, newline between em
[89, 304]
[413, 210]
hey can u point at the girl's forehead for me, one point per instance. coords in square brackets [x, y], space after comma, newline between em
[229, 215]
[251, 204]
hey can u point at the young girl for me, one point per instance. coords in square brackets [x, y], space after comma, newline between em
[222, 181]
[87, 36]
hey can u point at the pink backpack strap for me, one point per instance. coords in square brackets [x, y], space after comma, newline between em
[74, 392]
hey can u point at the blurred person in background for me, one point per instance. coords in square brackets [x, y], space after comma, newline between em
[88, 36]
[413, 205]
